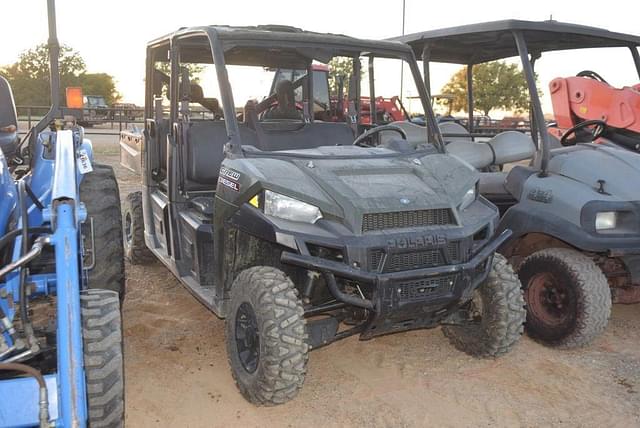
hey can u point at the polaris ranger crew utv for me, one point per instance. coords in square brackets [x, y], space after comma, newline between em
[297, 231]
[575, 209]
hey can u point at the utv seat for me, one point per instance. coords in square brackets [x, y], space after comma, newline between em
[506, 147]
[205, 151]
[449, 127]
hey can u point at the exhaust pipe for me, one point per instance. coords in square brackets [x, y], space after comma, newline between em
[54, 71]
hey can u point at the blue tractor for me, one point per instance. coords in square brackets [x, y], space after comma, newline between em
[61, 273]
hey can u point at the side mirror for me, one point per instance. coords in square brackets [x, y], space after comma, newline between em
[8, 116]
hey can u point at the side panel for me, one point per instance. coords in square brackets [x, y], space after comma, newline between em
[160, 219]
[131, 149]
[20, 401]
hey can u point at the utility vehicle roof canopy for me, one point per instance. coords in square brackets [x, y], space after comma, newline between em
[488, 41]
[309, 45]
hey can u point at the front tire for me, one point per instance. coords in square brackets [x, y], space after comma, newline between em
[568, 297]
[103, 358]
[266, 336]
[135, 249]
[499, 307]
[101, 197]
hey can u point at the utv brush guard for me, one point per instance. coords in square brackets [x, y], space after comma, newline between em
[416, 298]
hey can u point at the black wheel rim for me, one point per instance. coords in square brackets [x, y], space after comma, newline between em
[550, 300]
[247, 337]
[127, 227]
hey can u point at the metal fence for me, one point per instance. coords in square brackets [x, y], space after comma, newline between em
[104, 121]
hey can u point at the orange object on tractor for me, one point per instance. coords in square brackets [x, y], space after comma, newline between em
[587, 101]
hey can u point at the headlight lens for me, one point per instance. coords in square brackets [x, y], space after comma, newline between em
[606, 220]
[287, 208]
[468, 198]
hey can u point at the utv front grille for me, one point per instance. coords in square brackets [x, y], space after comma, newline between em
[376, 257]
[406, 219]
[454, 253]
[419, 259]
[422, 288]
[413, 260]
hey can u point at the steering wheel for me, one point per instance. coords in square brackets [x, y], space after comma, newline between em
[592, 75]
[600, 126]
[359, 141]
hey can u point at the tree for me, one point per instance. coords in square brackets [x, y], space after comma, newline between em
[29, 77]
[496, 85]
[340, 67]
[99, 84]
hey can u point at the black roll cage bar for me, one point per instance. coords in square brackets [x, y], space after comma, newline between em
[234, 147]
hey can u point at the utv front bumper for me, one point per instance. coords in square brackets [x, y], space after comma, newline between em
[407, 299]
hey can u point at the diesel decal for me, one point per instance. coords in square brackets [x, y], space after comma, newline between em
[418, 241]
[230, 174]
[228, 183]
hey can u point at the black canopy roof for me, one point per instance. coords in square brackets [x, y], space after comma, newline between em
[477, 43]
[238, 42]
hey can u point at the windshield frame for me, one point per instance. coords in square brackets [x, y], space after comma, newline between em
[218, 45]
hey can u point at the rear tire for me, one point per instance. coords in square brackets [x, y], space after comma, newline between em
[101, 197]
[103, 358]
[135, 249]
[568, 297]
[266, 336]
[500, 304]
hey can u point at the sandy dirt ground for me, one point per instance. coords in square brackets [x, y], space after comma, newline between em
[177, 372]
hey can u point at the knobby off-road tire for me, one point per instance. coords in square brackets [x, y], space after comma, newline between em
[568, 297]
[501, 315]
[135, 249]
[266, 336]
[103, 359]
[100, 195]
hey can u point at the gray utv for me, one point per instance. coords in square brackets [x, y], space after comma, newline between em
[297, 230]
[573, 204]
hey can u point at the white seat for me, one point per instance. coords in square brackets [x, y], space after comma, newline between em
[506, 147]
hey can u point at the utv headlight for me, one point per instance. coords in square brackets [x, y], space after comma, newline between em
[468, 198]
[287, 208]
[606, 220]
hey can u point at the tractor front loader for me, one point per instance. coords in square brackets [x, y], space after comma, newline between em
[61, 273]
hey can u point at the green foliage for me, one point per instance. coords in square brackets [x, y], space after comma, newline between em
[194, 70]
[496, 85]
[29, 77]
[340, 67]
[100, 84]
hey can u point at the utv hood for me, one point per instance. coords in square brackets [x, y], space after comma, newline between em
[607, 170]
[349, 182]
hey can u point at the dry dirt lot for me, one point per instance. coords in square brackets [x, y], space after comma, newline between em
[177, 373]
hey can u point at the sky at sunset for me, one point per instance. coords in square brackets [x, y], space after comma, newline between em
[111, 35]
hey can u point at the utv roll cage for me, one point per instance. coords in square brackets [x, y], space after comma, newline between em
[211, 44]
[490, 41]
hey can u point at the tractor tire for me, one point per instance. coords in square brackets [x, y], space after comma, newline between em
[103, 358]
[135, 249]
[568, 297]
[501, 314]
[266, 336]
[101, 197]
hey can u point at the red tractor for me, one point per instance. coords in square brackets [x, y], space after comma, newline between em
[335, 107]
